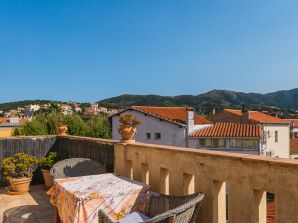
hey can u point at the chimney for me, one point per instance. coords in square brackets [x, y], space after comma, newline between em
[190, 122]
[213, 111]
[245, 115]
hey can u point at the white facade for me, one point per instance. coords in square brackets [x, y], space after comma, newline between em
[276, 140]
[170, 133]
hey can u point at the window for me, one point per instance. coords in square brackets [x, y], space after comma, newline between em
[218, 143]
[236, 143]
[205, 143]
[148, 135]
[157, 135]
[202, 142]
[276, 136]
[250, 144]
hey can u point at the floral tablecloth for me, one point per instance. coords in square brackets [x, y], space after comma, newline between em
[78, 199]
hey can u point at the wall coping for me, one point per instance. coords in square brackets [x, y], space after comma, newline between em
[29, 137]
[223, 154]
[202, 152]
[83, 138]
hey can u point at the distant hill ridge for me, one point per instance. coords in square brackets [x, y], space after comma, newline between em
[287, 99]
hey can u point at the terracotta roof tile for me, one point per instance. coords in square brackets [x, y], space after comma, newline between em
[294, 122]
[176, 114]
[221, 129]
[258, 117]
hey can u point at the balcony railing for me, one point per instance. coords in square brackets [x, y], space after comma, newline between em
[235, 185]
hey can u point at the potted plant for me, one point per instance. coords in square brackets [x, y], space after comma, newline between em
[45, 164]
[62, 130]
[127, 127]
[18, 170]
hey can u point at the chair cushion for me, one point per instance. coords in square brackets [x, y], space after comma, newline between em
[134, 217]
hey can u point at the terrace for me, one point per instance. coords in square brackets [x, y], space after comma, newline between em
[169, 170]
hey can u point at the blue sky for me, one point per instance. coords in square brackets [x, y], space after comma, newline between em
[90, 50]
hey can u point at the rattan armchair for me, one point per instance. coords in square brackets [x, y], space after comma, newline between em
[76, 167]
[168, 209]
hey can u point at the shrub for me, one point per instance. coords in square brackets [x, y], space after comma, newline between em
[47, 162]
[129, 120]
[19, 165]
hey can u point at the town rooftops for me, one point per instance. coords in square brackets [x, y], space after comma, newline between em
[226, 130]
[293, 121]
[256, 116]
[177, 114]
[5, 122]
[173, 114]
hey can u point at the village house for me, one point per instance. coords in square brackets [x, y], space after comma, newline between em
[7, 125]
[235, 137]
[228, 130]
[274, 132]
[162, 125]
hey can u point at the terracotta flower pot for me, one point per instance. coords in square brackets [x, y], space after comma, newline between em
[48, 179]
[127, 132]
[62, 130]
[20, 185]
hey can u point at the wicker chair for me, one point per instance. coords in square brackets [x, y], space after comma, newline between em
[168, 209]
[76, 167]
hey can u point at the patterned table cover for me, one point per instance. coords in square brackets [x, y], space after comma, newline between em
[78, 199]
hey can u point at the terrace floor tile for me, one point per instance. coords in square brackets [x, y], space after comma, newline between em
[33, 207]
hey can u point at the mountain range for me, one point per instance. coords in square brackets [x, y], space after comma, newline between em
[285, 99]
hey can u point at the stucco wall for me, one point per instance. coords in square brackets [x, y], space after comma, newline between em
[282, 147]
[171, 134]
[179, 171]
[6, 132]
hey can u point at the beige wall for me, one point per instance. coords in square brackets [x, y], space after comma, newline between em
[6, 132]
[177, 171]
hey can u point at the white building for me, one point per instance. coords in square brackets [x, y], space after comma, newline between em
[275, 132]
[30, 109]
[66, 109]
[162, 125]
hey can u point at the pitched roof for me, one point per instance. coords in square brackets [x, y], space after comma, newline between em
[294, 145]
[176, 114]
[221, 129]
[294, 122]
[7, 120]
[257, 116]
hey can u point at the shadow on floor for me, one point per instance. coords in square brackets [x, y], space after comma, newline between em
[33, 207]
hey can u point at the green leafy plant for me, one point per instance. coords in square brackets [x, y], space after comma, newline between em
[129, 120]
[19, 165]
[47, 162]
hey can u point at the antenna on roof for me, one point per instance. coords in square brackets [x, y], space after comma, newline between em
[243, 108]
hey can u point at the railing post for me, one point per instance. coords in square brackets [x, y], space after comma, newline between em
[120, 159]
[219, 202]
[260, 206]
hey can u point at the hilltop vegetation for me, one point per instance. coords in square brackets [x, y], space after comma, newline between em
[213, 99]
[13, 105]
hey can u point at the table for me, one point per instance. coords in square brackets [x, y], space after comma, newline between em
[78, 199]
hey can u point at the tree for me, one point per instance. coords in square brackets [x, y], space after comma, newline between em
[99, 127]
[47, 124]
